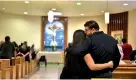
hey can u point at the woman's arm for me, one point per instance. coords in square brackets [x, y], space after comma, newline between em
[90, 62]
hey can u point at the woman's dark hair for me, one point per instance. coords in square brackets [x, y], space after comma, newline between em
[15, 44]
[78, 37]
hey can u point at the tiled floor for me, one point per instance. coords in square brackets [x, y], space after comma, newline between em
[52, 71]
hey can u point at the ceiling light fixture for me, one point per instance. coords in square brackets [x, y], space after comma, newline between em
[82, 14]
[26, 2]
[78, 3]
[25, 12]
[54, 9]
[107, 15]
[57, 13]
[102, 11]
[50, 16]
[125, 4]
[3, 8]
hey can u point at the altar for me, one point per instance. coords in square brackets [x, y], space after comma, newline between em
[52, 57]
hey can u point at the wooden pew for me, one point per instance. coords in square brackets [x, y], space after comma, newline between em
[5, 63]
[12, 72]
[20, 63]
[0, 71]
[127, 61]
[26, 68]
[127, 65]
[0, 74]
[125, 72]
[5, 68]
[5, 73]
[18, 71]
[23, 70]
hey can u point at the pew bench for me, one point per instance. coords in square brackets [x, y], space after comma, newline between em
[127, 71]
[18, 70]
[5, 68]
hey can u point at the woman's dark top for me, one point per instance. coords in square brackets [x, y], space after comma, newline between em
[33, 53]
[75, 67]
[25, 51]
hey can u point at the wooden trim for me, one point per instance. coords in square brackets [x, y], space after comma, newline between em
[42, 34]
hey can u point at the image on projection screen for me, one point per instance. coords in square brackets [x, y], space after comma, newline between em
[54, 36]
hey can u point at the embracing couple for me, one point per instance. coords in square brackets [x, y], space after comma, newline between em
[92, 54]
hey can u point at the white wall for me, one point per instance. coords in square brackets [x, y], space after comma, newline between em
[20, 28]
[75, 23]
[28, 28]
[132, 28]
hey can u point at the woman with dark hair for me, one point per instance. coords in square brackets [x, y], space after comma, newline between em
[32, 51]
[78, 67]
[25, 51]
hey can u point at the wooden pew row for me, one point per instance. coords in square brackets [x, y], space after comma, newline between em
[19, 69]
[127, 61]
[127, 65]
[125, 72]
[5, 68]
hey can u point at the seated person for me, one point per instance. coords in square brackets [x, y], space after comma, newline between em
[121, 53]
[127, 49]
[133, 56]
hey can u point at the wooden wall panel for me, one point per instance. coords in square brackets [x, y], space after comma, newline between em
[119, 21]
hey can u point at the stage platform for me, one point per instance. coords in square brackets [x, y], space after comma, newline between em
[52, 57]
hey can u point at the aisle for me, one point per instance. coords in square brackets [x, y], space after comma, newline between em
[52, 71]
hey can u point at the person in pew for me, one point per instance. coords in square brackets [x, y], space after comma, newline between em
[1, 42]
[121, 53]
[133, 57]
[78, 66]
[127, 49]
[101, 46]
[16, 47]
[25, 51]
[8, 49]
[33, 52]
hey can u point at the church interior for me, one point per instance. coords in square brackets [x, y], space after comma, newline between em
[34, 35]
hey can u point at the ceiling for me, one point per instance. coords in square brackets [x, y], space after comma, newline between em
[66, 7]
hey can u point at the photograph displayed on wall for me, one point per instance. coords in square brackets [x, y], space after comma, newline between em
[118, 35]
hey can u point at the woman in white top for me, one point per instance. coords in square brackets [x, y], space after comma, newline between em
[121, 53]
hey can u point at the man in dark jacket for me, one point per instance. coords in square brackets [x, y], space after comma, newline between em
[7, 49]
[102, 47]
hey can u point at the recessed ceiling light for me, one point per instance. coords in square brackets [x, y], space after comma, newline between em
[26, 2]
[3, 8]
[82, 14]
[125, 4]
[78, 3]
[53, 9]
[25, 12]
[102, 11]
